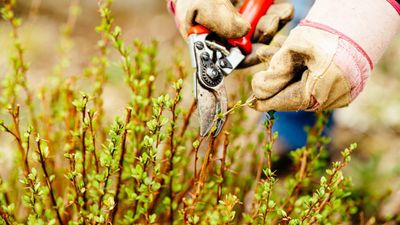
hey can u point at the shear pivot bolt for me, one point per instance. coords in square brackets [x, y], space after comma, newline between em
[212, 73]
[199, 45]
[205, 56]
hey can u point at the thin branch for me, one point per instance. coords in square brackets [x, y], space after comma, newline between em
[121, 162]
[202, 174]
[14, 112]
[48, 181]
[222, 169]
[4, 215]
[171, 159]
[93, 135]
[83, 143]
[187, 118]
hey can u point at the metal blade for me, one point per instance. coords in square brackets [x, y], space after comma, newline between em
[210, 104]
[206, 105]
[222, 107]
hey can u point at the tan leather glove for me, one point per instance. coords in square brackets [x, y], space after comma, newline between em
[302, 74]
[326, 60]
[219, 16]
[277, 16]
[222, 18]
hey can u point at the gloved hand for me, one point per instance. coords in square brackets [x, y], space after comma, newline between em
[222, 18]
[326, 60]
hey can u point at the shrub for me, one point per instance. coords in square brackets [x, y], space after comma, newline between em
[149, 166]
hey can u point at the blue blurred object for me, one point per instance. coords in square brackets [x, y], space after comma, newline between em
[290, 125]
[301, 8]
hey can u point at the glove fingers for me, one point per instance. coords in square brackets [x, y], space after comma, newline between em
[260, 53]
[284, 66]
[278, 15]
[311, 93]
[266, 29]
[278, 40]
[220, 17]
[266, 52]
[263, 53]
[292, 98]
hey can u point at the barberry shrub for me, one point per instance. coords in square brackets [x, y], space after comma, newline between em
[149, 165]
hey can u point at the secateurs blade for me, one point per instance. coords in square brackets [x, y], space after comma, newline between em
[213, 59]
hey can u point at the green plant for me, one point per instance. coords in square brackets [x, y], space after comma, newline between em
[149, 166]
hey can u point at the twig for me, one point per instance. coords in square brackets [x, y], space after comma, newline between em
[19, 64]
[83, 143]
[202, 174]
[187, 118]
[121, 161]
[159, 127]
[48, 181]
[93, 135]
[4, 215]
[180, 196]
[17, 135]
[222, 169]
[305, 165]
[238, 105]
[105, 187]
[271, 140]
[172, 147]
[196, 156]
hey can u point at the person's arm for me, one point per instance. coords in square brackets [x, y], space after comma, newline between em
[327, 59]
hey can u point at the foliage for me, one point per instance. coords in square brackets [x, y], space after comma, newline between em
[149, 165]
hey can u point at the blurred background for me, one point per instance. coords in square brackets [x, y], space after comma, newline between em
[372, 121]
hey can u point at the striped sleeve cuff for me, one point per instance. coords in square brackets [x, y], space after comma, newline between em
[395, 4]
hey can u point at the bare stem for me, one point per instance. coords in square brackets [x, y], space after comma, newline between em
[48, 181]
[187, 118]
[203, 174]
[83, 143]
[14, 112]
[93, 135]
[222, 169]
[121, 162]
[171, 163]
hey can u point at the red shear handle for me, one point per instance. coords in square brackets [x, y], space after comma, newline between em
[198, 29]
[252, 11]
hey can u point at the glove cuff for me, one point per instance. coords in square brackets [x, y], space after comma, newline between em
[395, 4]
[372, 24]
[350, 58]
[341, 36]
[354, 65]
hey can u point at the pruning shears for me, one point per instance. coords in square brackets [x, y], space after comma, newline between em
[213, 59]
